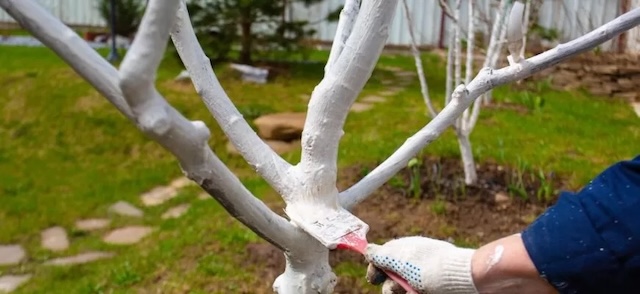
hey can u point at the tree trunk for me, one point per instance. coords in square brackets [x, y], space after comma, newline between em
[466, 153]
[307, 271]
[246, 40]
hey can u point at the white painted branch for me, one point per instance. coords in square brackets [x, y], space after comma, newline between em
[332, 98]
[190, 142]
[447, 10]
[424, 88]
[257, 153]
[525, 27]
[466, 154]
[449, 72]
[457, 55]
[514, 32]
[70, 47]
[469, 65]
[347, 19]
[463, 96]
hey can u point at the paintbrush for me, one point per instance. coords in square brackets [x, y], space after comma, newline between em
[337, 228]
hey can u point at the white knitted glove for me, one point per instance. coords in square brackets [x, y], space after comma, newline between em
[430, 266]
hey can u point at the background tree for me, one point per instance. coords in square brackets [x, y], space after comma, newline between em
[256, 26]
[128, 15]
[308, 186]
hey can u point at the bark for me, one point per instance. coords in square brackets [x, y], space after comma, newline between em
[246, 39]
[466, 154]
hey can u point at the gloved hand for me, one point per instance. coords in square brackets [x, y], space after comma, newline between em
[430, 266]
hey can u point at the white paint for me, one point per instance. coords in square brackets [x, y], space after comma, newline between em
[311, 184]
[495, 257]
[486, 80]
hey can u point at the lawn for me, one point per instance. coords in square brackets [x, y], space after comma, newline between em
[66, 154]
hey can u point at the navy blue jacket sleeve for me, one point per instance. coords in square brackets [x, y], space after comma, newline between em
[589, 242]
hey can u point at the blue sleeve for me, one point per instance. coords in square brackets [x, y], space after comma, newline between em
[589, 242]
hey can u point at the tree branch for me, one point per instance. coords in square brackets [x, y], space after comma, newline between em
[347, 19]
[255, 151]
[498, 32]
[447, 10]
[332, 98]
[463, 96]
[185, 139]
[424, 88]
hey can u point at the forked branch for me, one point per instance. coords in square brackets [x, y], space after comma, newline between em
[255, 151]
[334, 95]
[463, 96]
[185, 139]
[347, 19]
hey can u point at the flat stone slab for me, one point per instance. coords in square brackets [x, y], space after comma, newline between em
[180, 183]
[54, 239]
[176, 211]
[636, 107]
[127, 235]
[360, 107]
[92, 224]
[11, 254]
[374, 99]
[80, 258]
[126, 209]
[404, 73]
[204, 196]
[158, 195]
[9, 283]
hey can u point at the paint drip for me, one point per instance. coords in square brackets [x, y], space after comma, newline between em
[495, 257]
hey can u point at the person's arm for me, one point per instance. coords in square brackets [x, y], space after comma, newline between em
[588, 242]
[434, 267]
[504, 266]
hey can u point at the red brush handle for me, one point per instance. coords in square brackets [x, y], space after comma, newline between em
[359, 244]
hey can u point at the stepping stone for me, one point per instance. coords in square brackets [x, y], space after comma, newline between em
[176, 212]
[158, 195]
[402, 74]
[80, 258]
[374, 99]
[636, 107]
[180, 183]
[92, 224]
[360, 107]
[126, 209]
[11, 254]
[127, 235]
[204, 196]
[55, 239]
[305, 97]
[387, 82]
[9, 283]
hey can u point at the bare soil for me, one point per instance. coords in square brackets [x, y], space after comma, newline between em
[446, 209]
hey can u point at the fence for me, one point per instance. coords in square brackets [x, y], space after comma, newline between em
[571, 18]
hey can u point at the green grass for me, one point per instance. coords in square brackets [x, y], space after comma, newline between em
[65, 154]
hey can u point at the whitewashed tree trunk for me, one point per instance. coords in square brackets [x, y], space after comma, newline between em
[307, 185]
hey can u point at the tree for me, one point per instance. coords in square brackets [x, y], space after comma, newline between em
[310, 184]
[128, 15]
[252, 24]
[465, 124]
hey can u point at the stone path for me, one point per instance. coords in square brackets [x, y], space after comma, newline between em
[636, 107]
[393, 87]
[57, 240]
[9, 283]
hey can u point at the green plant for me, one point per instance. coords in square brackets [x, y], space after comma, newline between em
[549, 34]
[128, 15]
[533, 102]
[545, 190]
[414, 175]
[125, 275]
[396, 182]
[516, 184]
[439, 207]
